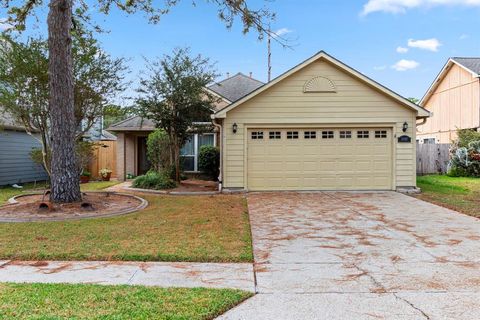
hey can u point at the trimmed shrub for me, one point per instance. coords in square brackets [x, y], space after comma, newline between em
[154, 180]
[209, 161]
[158, 149]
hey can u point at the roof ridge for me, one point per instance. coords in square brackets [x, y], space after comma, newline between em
[235, 75]
[125, 120]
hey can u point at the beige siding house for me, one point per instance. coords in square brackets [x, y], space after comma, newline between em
[320, 126]
[454, 101]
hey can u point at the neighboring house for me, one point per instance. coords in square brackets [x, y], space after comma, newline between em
[454, 101]
[319, 126]
[97, 132]
[132, 133]
[16, 166]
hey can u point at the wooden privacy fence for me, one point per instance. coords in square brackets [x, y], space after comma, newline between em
[105, 156]
[432, 158]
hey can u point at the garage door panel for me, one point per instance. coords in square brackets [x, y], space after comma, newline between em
[348, 163]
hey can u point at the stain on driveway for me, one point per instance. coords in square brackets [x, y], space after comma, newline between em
[347, 255]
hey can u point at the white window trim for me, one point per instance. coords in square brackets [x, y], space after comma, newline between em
[195, 150]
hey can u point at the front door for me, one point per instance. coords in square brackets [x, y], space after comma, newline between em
[143, 165]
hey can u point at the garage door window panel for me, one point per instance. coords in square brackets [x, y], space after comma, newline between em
[292, 135]
[257, 135]
[345, 134]
[380, 134]
[363, 134]
[310, 135]
[275, 135]
[328, 135]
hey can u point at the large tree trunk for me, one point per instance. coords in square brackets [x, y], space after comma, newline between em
[64, 176]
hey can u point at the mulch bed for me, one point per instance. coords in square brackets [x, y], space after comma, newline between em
[36, 207]
[196, 186]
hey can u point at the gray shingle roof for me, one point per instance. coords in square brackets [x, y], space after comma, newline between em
[473, 64]
[236, 87]
[135, 123]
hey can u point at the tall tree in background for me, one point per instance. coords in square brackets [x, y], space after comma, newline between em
[64, 179]
[24, 85]
[173, 95]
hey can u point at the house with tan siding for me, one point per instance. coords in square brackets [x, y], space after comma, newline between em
[322, 125]
[454, 101]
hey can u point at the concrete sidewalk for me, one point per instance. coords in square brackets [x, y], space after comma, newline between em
[162, 274]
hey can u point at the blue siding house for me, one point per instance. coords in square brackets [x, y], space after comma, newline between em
[15, 146]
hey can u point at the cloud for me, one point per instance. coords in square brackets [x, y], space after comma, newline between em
[404, 65]
[3, 25]
[427, 44]
[464, 36]
[282, 31]
[401, 6]
[379, 68]
[402, 50]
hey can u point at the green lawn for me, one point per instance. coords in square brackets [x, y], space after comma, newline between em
[65, 301]
[460, 194]
[8, 192]
[171, 228]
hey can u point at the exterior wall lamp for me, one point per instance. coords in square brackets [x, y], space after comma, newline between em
[405, 127]
[235, 127]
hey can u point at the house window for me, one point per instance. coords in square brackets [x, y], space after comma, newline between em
[429, 141]
[327, 135]
[292, 134]
[310, 134]
[380, 134]
[363, 134]
[191, 149]
[345, 134]
[257, 135]
[275, 135]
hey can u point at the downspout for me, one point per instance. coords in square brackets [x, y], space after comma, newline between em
[220, 130]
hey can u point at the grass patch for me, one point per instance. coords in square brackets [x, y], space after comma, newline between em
[171, 228]
[62, 301]
[7, 192]
[457, 193]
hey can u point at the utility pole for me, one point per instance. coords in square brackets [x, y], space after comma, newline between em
[269, 53]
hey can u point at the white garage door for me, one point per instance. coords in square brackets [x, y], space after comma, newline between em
[319, 159]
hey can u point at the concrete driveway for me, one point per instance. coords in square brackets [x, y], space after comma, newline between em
[343, 255]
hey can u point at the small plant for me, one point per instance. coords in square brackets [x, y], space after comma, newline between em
[105, 174]
[85, 173]
[130, 176]
[154, 180]
[209, 161]
[85, 176]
